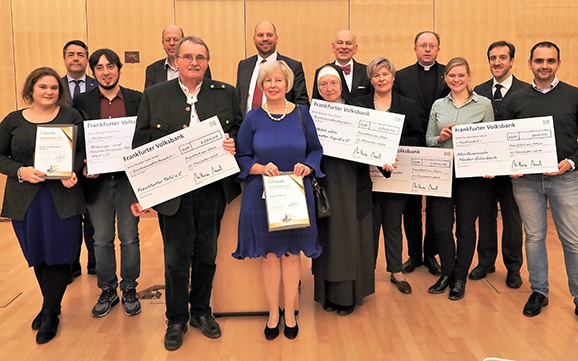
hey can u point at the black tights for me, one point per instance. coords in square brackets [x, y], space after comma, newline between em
[52, 281]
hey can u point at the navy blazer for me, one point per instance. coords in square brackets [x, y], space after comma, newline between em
[157, 73]
[91, 83]
[407, 84]
[164, 110]
[360, 84]
[88, 104]
[297, 95]
[485, 89]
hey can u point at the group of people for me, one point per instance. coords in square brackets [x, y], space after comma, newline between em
[269, 130]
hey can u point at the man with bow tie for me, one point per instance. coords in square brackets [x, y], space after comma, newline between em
[345, 47]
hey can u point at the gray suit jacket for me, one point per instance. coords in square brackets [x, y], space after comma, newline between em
[360, 85]
[485, 89]
[164, 110]
[157, 73]
[297, 95]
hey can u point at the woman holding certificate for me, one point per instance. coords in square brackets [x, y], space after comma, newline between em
[461, 106]
[45, 213]
[277, 137]
[345, 271]
[388, 207]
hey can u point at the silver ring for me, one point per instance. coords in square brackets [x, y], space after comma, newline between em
[270, 170]
[303, 166]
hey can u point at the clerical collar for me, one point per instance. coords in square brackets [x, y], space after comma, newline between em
[427, 67]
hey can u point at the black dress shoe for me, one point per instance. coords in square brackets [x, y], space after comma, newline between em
[209, 327]
[410, 265]
[480, 272]
[534, 305]
[440, 286]
[272, 333]
[433, 266]
[345, 310]
[402, 286]
[174, 335]
[458, 290]
[291, 332]
[37, 321]
[513, 279]
[49, 326]
[329, 307]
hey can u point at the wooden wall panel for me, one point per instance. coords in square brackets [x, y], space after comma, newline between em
[129, 25]
[553, 21]
[41, 28]
[220, 23]
[305, 28]
[468, 28]
[7, 85]
[388, 27]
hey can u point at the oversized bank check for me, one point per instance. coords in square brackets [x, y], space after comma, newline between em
[521, 146]
[106, 141]
[358, 134]
[179, 163]
[420, 170]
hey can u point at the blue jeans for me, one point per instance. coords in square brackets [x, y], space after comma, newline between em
[532, 193]
[113, 203]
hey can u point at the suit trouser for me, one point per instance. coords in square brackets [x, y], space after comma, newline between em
[412, 224]
[387, 211]
[467, 195]
[512, 235]
[190, 249]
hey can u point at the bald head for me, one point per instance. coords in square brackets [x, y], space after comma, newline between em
[172, 34]
[344, 46]
[265, 38]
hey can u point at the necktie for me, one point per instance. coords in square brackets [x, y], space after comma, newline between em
[498, 92]
[346, 69]
[257, 94]
[76, 88]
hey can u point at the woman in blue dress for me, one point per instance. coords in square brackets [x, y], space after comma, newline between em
[277, 137]
[45, 214]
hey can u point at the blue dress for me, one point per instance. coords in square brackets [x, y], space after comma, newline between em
[263, 140]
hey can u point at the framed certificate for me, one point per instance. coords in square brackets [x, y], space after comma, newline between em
[285, 202]
[54, 151]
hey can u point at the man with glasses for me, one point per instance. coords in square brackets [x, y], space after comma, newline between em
[190, 223]
[424, 83]
[165, 69]
[344, 47]
[250, 95]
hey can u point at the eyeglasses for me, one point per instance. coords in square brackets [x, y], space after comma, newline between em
[426, 46]
[333, 84]
[188, 58]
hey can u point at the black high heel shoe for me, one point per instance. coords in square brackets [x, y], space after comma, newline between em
[291, 332]
[273, 333]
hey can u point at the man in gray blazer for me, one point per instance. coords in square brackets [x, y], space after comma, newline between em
[190, 223]
[345, 47]
[498, 90]
[265, 39]
[75, 54]
[165, 69]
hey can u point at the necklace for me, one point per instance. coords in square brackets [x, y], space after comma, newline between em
[50, 117]
[282, 116]
[384, 105]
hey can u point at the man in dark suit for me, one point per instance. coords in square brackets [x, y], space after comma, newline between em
[110, 194]
[498, 89]
[345, 47]
[250, 96]
[165, 69]
[190, 223]
[75, 54]
[424, 83]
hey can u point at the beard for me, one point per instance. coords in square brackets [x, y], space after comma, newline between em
[108, 87]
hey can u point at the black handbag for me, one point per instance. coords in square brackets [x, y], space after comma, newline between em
[321, 199]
